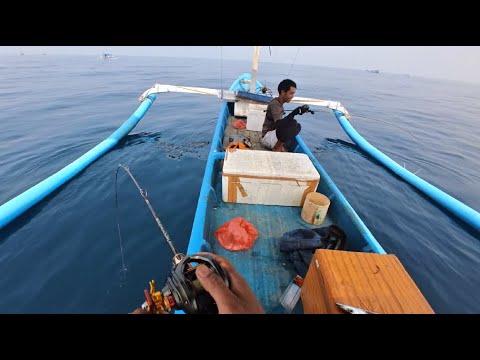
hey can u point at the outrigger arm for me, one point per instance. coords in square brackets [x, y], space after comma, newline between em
[233, 96]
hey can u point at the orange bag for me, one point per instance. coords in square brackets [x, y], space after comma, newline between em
[239, 124]
[236, 234]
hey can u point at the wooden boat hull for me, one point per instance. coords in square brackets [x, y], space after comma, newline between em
[267, 270]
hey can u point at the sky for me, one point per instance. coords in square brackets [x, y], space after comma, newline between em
[442, 62]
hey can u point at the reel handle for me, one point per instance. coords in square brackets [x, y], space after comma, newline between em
[187, 291]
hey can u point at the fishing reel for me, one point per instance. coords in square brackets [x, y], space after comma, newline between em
[307, 110]
[182, 290]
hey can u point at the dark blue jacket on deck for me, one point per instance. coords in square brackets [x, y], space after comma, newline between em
[300, 244]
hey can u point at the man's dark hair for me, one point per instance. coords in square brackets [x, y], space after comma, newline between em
[285, 85]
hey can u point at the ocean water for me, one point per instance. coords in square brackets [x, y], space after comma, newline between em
[63, 255]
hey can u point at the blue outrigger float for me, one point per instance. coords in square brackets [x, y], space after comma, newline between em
[265, 267]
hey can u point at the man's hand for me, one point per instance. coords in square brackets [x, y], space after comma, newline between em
[239, 299]
[304, 109]
[301, 110]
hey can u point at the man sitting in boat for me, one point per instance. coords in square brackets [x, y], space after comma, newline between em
[277, 130]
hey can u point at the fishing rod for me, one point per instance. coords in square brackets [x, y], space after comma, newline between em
[182, 289]
[308, 110]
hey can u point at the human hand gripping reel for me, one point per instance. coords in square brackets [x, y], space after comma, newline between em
[305, 109]
[302, 110]
[182, 290]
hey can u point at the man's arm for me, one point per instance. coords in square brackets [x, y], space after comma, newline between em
[299, 110]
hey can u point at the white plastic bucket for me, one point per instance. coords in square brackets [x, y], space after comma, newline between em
[315, 208]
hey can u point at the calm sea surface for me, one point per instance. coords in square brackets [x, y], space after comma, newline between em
[63, 255]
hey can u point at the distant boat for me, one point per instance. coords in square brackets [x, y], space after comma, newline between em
[375, 71]
[106, 56]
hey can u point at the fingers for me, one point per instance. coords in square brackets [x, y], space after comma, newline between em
[304, 109]
[214, 284]
[237, 281]
[224, 263]
[239, 299]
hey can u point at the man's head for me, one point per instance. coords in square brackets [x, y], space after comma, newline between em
[286, 90]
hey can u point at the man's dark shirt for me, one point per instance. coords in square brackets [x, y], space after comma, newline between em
[274, 113]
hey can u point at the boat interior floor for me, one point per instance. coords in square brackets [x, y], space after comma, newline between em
[267, 270]
[232, 134]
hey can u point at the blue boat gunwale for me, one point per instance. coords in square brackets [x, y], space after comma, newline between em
[198, 241]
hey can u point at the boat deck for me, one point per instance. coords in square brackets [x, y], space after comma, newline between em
[267, 270]
[232, 134]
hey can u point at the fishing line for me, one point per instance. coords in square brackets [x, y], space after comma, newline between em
[397, 126]
[123, 271]
[386, 122]
[144, 196]
[143, 193]
[293, 62]
[182, 290]
[374, 119]
[221, 68]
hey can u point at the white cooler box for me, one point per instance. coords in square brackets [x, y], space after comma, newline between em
[267, 177]
[255, 120]
[243, 107]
